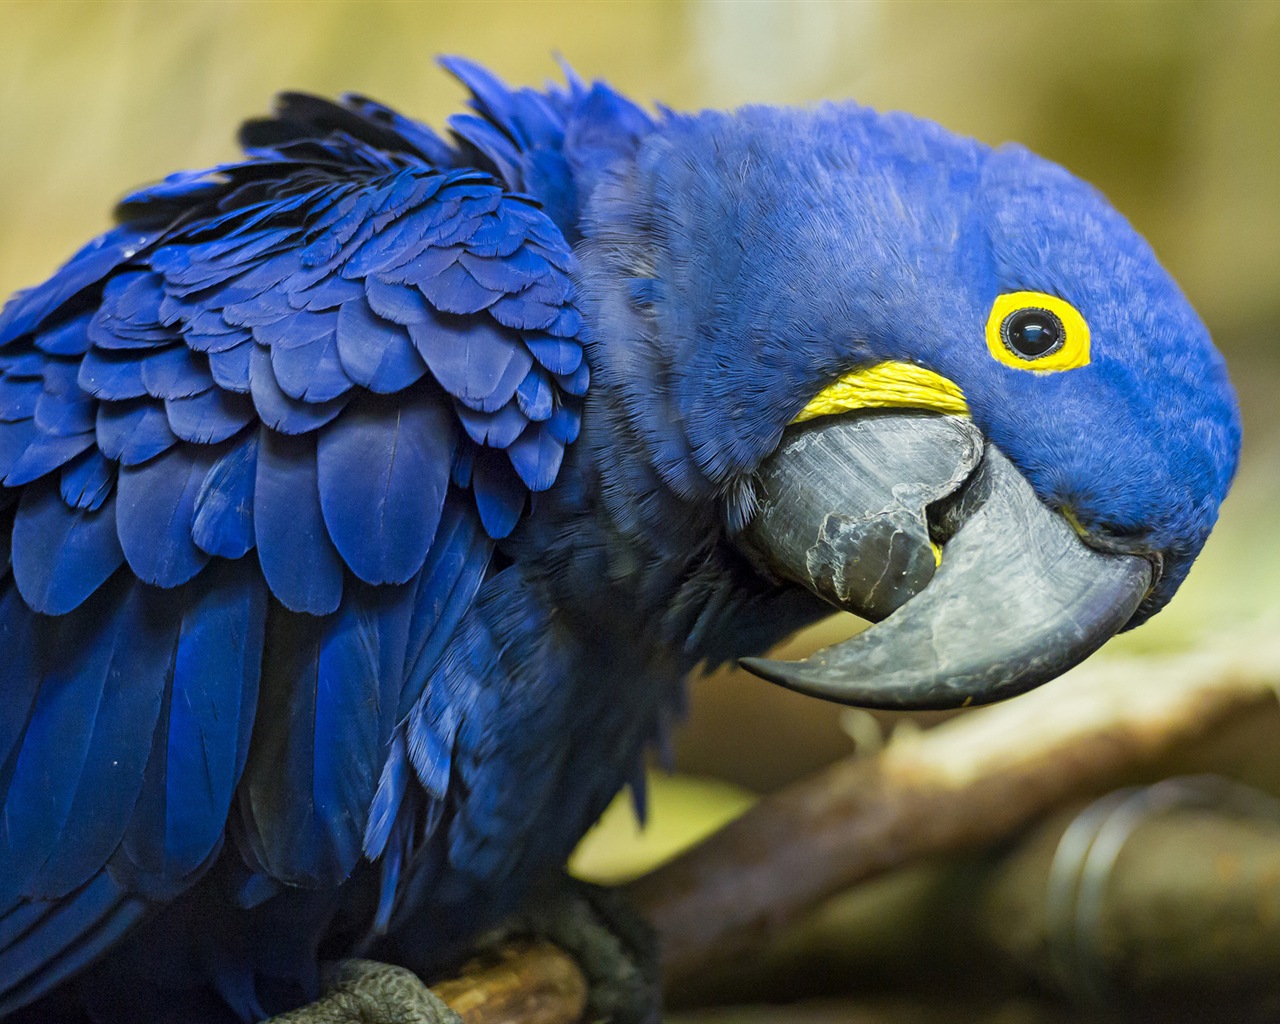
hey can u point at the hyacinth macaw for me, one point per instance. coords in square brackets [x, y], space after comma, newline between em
[367, 500]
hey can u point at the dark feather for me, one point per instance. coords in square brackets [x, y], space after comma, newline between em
[500, 494]
[313, 764]
[64, 937]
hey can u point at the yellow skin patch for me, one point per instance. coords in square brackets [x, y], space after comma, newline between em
[1075, 346]
[886, 386]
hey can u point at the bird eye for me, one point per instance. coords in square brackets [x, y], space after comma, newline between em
[1035, 331]
[1032, 333]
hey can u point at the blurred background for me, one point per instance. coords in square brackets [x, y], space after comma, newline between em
[1170, 108]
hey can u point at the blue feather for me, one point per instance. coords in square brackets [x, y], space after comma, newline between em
[87, 480]
[27, 310]
[501, 234]
[525, 314]
[387, 799]
[447, 586]
[557, 355]
[183, 806]
[223, 523]
[62, 555]
[15, 438]
[565, 423]
[327, 294]
[89, 712]
[491, 143]
[176, 373]
[112, 375]
[418, 264]
[454, 290]
[494, 429]
[109, 333]
[535, 395]
[375, 352]
[397, 245]
[155, 511]
[276, 409]
[507, 273]
[23, 362]
[536, 455]
[312, 372]
[296, 329]
[383, 472]
[18, 398]
[216, 342]
[489, 96]
[209, 417]
[473, 360]
[298, 559]
[500, 494]
[140, 637]
[133, 432]
[575, 383]
[397, 303]
[230, 367]
[64, 414]
[8, 509]
[44, 454]
[69, 338]
[25, 644]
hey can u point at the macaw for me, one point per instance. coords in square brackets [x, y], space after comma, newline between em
[367, 500]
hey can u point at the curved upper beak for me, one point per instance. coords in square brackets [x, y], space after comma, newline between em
[854, 509]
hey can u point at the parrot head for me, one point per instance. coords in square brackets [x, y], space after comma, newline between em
[938, 384]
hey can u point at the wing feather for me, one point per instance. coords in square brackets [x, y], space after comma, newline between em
[257, 444]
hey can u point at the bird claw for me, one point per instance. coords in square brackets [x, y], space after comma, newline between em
[370, 992]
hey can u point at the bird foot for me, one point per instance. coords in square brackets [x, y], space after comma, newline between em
[369, 992]
[616, 949]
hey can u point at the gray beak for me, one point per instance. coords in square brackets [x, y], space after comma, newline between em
[852, 509]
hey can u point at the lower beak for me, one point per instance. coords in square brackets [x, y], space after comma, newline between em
[853, 508]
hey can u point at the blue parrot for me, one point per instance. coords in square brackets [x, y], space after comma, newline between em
[367, 501]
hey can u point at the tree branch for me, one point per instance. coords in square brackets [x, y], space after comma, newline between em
[962, 785]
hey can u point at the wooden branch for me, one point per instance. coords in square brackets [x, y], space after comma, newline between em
[963, 785]
[525, 982]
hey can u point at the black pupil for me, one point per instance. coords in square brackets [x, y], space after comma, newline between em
[1032, 333]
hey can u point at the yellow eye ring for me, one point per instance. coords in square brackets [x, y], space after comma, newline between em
[1035, 331]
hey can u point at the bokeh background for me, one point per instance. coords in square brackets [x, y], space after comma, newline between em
[1170, 108]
